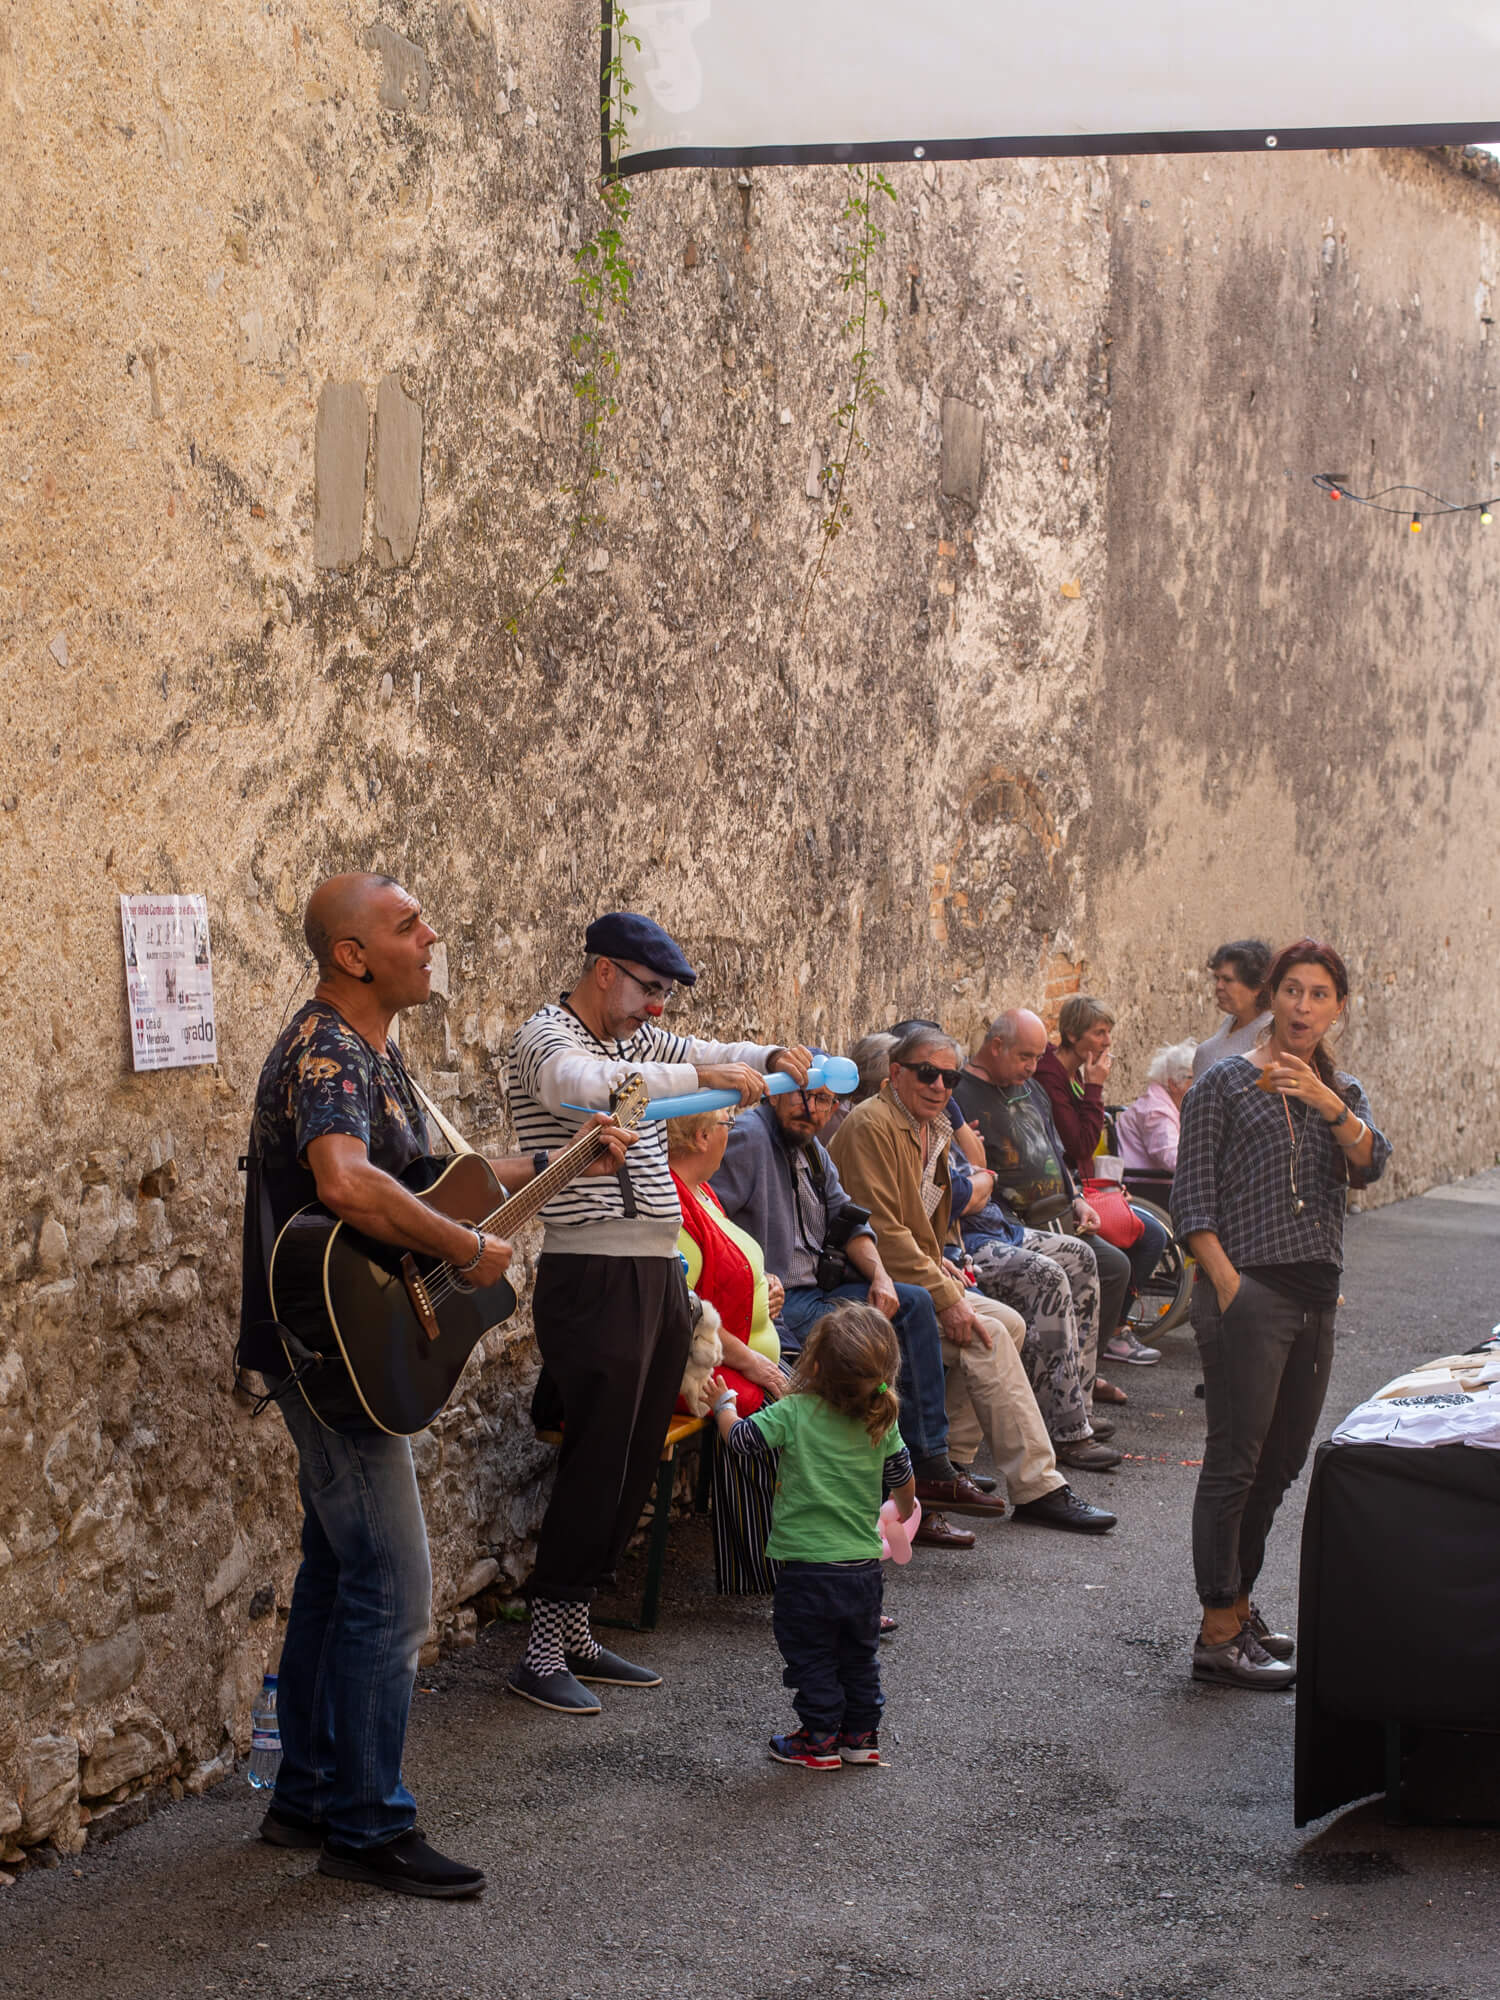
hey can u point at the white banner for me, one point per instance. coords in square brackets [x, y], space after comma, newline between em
[169, 981]
[731, 83]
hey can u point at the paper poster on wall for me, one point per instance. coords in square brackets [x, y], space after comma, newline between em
[169, 980]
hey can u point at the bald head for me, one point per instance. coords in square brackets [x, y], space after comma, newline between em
[1013, 1046]
[340, 908]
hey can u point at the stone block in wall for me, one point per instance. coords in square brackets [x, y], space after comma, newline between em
[109, 1667]
[131, 1750]
[398, 473]
[405, 75]
[10, 1816]
[230, 1574]
[341, 447]
[962, 463]
[49, 1793]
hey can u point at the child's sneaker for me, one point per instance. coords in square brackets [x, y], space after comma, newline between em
[863, 1747]
[813, 1753]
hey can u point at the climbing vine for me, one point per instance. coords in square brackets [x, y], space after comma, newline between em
[601, 279]
[866, 186]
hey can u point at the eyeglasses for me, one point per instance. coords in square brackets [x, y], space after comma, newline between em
[652, 988]
[928, 1073]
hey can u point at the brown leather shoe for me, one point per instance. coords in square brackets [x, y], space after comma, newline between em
[960, 1496]
[935, 1533]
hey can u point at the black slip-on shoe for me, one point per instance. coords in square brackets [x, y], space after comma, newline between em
[558, 1690]
[406, 1866]
[609, 1670]
[288, 1829]
[1064, 1509]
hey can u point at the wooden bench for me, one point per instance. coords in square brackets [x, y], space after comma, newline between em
[678, 1432]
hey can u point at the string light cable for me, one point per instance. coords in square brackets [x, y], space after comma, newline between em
[1337, 487]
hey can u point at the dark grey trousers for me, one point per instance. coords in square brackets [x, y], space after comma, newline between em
[1265, 1374]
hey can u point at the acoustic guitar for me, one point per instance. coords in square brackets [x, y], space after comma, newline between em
[398, 1324]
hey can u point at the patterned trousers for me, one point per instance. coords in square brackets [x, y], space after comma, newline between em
[1053, 1283]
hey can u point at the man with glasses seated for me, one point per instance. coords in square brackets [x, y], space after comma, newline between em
[779, 1184]
[892, 1151]
[610, 1305]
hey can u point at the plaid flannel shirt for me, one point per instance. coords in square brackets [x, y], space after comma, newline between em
[1233, 1169]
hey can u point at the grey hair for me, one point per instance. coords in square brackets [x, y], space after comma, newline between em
[921, 1037]
[871, 1057]
[1004, 1029]
[1172, 1063]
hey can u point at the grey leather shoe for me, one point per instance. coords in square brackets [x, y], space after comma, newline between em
[1280, 1645]
[1088, 1455]
[1243, 1662]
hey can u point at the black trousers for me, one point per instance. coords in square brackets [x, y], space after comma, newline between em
[614, 1334]
[827, 1624]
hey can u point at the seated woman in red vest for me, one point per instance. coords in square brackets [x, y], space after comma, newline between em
[725, 1266]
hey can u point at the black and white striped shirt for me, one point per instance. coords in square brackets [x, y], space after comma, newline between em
[555, 1060]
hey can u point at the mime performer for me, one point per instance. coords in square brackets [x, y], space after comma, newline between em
[610, 1304]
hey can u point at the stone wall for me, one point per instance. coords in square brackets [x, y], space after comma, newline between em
[285, 416]
[1295, 729]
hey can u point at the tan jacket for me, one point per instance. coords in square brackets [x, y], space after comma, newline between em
[879, 1159]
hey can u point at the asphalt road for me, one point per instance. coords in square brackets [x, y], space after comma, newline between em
[1064, 1812]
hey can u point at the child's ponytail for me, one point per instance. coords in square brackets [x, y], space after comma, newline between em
[852, 1362]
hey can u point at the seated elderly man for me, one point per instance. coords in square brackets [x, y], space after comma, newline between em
[1000, 1095]
[892, 1152]
[778, 1183]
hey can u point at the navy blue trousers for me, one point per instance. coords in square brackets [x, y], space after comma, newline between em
[827, 1624]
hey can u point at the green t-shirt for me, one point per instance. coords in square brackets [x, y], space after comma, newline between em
[828, 1484]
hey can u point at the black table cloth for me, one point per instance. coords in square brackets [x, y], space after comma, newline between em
[1398, 1677]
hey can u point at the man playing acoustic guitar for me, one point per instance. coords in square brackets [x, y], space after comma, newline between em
[611, 1305]
[336, 1120]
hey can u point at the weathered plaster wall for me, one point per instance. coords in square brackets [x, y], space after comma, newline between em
[1296, 727]
[241, 646]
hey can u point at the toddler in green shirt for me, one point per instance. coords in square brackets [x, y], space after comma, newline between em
[841, 1454]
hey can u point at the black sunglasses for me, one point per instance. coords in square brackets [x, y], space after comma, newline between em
[929, 1073]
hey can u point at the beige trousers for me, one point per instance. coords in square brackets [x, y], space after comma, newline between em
[989, 1397]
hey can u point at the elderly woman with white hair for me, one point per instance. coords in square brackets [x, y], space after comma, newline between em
[1147, 1130]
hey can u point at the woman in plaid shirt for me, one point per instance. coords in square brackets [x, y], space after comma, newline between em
[1271, 1143]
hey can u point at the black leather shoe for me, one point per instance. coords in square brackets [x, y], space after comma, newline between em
[609, 1670]
[960, 1496]
[1243, 1662]
[288, 1829]
[406, 1866]
[935, 1533]
[1280, 1645]
[980, 1479]
[560, 1690]
[1064, 1509]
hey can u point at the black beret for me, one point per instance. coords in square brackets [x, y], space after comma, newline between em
[623, 934]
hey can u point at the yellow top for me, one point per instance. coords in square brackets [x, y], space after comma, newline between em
[763, 1337]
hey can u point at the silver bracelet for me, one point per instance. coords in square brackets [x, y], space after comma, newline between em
[463, 1270]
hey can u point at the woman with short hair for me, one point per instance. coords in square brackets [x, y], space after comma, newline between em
[1147, 1130]
[1239, 973]
[1271, 1144]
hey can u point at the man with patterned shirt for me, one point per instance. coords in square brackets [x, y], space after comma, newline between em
[611, 1304]
[336, 1121]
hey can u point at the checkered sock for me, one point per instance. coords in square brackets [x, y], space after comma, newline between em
[544, 1642]
[578, 1641]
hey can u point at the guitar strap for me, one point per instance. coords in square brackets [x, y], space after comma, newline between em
[446, 1126]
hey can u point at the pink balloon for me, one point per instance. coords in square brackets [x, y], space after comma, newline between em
[896, 1534]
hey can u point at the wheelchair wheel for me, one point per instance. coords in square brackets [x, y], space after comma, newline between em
[1163, 1300]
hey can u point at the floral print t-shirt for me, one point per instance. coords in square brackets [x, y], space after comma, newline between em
[321, 1077]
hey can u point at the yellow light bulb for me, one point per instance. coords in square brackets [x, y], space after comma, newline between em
[1416, 524]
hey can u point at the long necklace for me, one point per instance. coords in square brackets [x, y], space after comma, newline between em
[1296, 1136]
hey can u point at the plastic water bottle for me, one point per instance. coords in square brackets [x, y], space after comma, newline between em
[265, 1737]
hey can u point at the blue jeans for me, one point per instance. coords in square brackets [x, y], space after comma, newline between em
[827, 1624]
[922, 1389]
[1145, 1254]
[360, 1611]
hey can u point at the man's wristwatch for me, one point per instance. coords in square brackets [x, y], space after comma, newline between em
[539, 1161]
